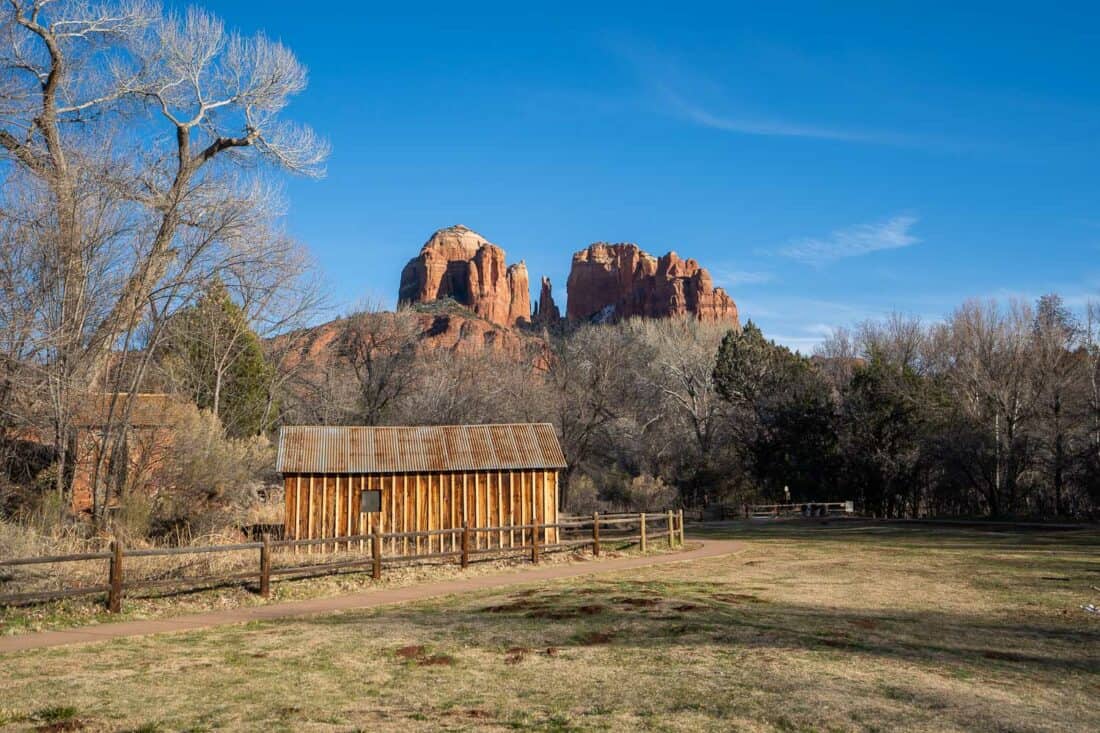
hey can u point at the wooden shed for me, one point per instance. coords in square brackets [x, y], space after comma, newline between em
[353, 480]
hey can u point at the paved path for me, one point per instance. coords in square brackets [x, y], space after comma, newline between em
[363, 599]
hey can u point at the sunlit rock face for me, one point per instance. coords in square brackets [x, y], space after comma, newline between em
[460, 264]
[609, 282]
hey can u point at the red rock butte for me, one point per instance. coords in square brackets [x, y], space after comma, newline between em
[459, 263]
[609, 282]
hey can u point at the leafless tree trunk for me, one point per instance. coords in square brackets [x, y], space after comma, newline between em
[87, 85]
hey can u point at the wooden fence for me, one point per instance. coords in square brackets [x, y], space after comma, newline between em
[803, 509]
[362, 551]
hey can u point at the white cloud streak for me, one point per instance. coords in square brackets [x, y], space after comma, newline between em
[777, 128]
[894, 233]
[733, 278]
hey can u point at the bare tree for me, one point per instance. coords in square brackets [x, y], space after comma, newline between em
[137, 130]
[380, 349]
[990, 375]
[676, 363]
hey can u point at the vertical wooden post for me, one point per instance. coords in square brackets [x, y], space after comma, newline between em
[477, 509]
[671, 531]
[512, 516]
[297, 511]
[596, 534]
[324, 514]
[114, 595]
[351, 501]
[336, 516]
[465, 544]
[405, 513]
[500, 509]
[416, 513]
[309, 516]
[535, 544]
[265, 566]
[681, 527]
[642, 526]
[376, 555]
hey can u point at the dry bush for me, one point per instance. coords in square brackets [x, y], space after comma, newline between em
[213, 478]
[584, 498]
[649, 493]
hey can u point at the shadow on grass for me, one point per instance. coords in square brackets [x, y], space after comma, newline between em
[676, 616]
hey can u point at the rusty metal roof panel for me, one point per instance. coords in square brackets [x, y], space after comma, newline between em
[423, 449]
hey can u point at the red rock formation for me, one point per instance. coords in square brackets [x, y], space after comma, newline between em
[313, 350]
[609, 282]
[546, 311]
[459, 263]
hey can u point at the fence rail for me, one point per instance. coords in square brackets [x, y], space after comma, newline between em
[375, 559]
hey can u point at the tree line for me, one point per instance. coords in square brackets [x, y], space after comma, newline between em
[994, 411]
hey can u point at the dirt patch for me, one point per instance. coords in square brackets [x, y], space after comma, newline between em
[638, 602]
[837, 643]
[551, 651]
[553, 614]
[685, 629]
[591, 610]
[437, 660]
[478, 714]
[61, 725]
[516, 654]
[513, 607]
[864, 623]
[410, 652]
[685, 607]
[737, 598]
[593, 638]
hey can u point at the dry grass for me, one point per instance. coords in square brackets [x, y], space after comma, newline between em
[164, 602]
[830, 629]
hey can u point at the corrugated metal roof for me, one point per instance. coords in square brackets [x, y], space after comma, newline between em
[332, 450]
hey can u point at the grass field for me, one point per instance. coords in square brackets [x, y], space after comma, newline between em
[830, 628]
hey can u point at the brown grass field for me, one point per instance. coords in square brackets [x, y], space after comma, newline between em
[837, 627]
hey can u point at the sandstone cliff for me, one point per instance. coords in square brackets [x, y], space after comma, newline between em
[609, 282]
[459, 263]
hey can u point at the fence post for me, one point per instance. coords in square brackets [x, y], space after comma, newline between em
[596, 534]
[265, 566]
[114, 595]
[643, 532]
[535, 544]
[376, 554]
[671, 531]
[681, 528]
[465, 545]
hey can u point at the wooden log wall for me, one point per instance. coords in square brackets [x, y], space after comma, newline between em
[320, 506]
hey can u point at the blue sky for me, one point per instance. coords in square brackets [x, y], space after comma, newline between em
[827, 164]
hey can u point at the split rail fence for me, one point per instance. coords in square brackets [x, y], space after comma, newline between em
[362, 551]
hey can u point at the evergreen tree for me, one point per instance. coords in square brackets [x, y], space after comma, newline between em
[783, 412]
[213, 355]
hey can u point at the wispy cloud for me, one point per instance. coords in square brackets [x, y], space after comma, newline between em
[731, 278]
[854, 241]
[775, 127]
